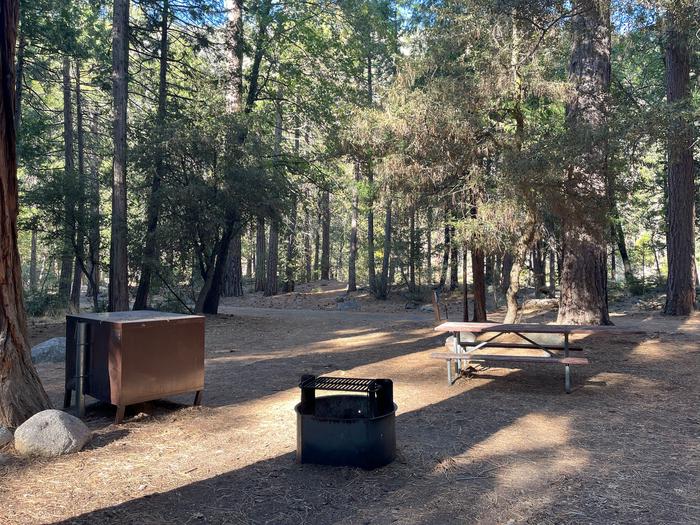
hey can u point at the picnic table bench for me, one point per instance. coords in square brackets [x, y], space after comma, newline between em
[464, 351]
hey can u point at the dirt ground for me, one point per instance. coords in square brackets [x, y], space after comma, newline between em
[501, 446]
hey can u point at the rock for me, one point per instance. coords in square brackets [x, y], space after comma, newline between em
[341, 298]
[4, 459]
[5, 436]
[51, 351]
[349, 304]
[51, 433]
[411, 306]
[427, 308]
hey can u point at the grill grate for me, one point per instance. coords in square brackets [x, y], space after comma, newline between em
[347, 384]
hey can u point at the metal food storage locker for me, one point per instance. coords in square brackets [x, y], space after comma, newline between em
[136, 356]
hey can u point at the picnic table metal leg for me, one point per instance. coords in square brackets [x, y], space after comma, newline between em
[449, 372]
[457, 350]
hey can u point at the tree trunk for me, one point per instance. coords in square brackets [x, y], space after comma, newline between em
[552, 271]
[21, 393]
[290, 262]
[354, 217]
[325, 235]
[412, 251]
[383, 287]
[538, 260]
[680, 290]
[583, 297]
[465, 287]
[272, 259]
[208, 301]
[94, 221]
[317, 246]
[80, 197]
[118, 262]
[454, 261]
[371, 268]
[291, 259]
[518, 260]
[233, 279]
[260, 255]
[479, 284]
[429, 247]
[250, 254]
[150, 249]
[445, 253]
[307, 241]
[505, 271]
[69, 187]
[32, 262]
[19, 79]
[622, 248]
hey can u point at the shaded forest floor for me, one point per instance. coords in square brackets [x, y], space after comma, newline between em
[502, 446]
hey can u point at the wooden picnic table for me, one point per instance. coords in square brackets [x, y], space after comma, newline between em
[464, 350]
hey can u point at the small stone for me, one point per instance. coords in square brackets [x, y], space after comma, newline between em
[50, 351]
[427, 308]
[411, 306]
[5, 436]
[51, 433]
[4, 459]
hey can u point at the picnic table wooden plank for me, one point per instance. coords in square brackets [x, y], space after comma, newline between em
[533, 328]
[511, 358]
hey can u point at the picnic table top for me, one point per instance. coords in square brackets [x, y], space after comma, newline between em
[533, 328]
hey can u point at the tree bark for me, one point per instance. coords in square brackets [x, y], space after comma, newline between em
[94, 221]
[272, 260]
[552, 271]
[538, 267]
[513, 310]
[80, 197]
[291, 259]
[465, 287]
[354, 218]
[69, 187]
[622, 248]
[118, 263]
[412, 251]
[505, 271]
[307, 240]
[680, 289]
[454, 261]
[325, 235]
[429, 247]
[150, 249]
[479, 279]
[445, 253]
[19, 78]
[383, 285]
[21, 393]
[33, 277]
[583, 297]
[233, 279]
[208, 301]
[260, 255]
[371, 268]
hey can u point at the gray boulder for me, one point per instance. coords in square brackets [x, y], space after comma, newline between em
[51, 433]
[51, 351]
[5, 436]
[428, 308]
[349, 304]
